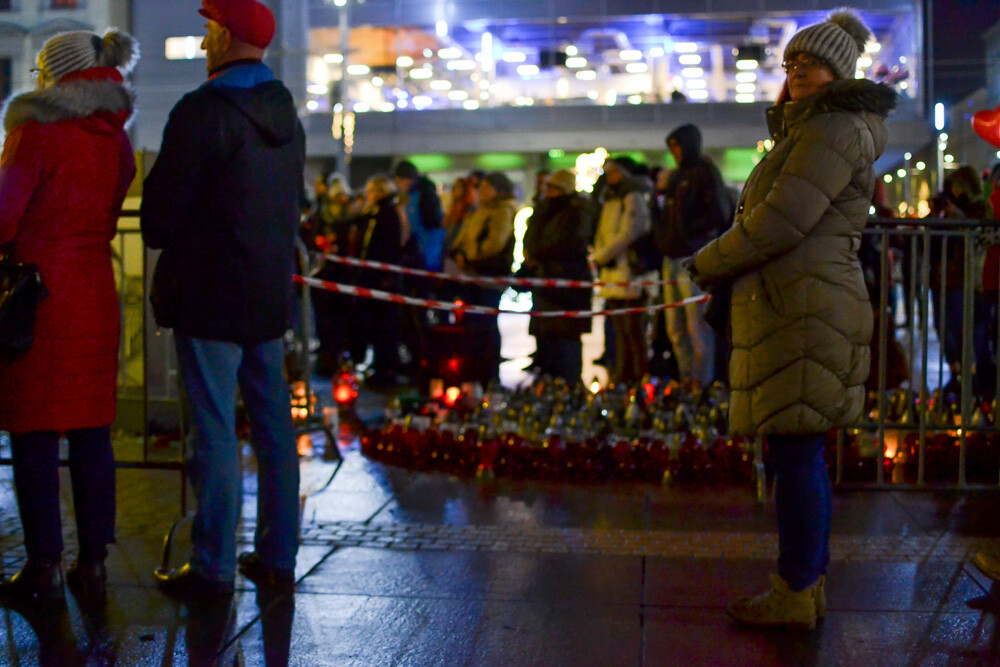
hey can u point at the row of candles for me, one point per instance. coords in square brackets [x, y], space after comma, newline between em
[668, 433]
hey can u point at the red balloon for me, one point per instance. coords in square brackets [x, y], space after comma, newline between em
[987, 125]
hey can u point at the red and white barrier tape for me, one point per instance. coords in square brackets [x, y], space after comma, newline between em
[379, 295]
[483, 280]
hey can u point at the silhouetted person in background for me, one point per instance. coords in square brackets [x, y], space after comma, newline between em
[555, 246]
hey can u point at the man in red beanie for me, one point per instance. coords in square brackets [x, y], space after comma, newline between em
[247, 20]
[222, 202]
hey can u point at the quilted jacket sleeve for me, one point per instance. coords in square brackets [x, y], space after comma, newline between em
[819, 164]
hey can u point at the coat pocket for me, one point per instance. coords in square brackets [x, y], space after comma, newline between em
[770, 293]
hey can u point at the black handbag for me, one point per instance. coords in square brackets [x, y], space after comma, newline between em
[21, 289]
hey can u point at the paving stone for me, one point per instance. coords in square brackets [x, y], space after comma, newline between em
[539, 574]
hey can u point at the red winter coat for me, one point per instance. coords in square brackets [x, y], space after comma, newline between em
[65, 169]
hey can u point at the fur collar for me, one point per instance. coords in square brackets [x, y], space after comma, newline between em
[66, 101]
[850, 95]
[856, 95]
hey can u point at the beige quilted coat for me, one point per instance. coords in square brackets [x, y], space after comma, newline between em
[624, 218]
[801, 319]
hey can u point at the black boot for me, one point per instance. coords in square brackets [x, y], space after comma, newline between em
[38, 580]
[87, 578]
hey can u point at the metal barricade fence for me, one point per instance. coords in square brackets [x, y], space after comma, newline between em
[939, 425]
[913, 434]
[150, 429]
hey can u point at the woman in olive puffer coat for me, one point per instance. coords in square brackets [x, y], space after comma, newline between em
[800, 316]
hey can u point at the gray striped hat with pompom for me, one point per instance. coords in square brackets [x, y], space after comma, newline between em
[78, 50]
[839, 41]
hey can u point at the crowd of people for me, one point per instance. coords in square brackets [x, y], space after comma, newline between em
[638, 222]
[223, 203]
[966, 197]
[571, 234]
[963, 198]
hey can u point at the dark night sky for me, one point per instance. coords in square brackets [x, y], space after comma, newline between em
[959, 53]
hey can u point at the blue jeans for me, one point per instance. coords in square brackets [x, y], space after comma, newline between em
[984, 344]
[211, 371]
[804, 504]
[949, 325]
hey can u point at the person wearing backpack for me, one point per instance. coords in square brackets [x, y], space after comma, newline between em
[695, 210]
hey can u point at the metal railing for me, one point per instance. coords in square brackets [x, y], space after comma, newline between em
[915, 433]
[932, 428]
[938, 426]
[130, 269]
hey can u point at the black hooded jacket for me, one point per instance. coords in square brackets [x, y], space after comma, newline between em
[555, 246]
[222, 201]
[696, 206]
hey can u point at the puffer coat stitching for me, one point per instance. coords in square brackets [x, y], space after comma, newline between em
[801, 319]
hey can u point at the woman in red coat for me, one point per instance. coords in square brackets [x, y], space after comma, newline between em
[66, 166]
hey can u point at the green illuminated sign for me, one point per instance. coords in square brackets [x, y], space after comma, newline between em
[431, 162]
[563, 161]
[500, 161]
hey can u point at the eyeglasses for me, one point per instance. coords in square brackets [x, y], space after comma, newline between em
[805, 63]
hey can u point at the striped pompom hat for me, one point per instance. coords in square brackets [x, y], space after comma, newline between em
[838, 41]
[78, 50]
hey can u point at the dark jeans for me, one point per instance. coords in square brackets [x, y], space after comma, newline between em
[486, 329]
[949, 324]
[804, 505]
[630, 341]
[36, 482]
[985, 344]
[560, 357]
[379, 325]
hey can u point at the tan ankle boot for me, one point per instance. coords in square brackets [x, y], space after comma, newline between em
[779, 606]
[988, 563]
[820, 596]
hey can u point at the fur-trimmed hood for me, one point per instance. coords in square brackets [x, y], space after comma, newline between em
[850, 95]
[98, 91]
[855, 95]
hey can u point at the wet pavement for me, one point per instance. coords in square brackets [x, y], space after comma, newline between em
[404, 568]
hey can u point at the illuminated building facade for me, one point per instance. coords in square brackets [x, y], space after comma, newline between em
[520, 84]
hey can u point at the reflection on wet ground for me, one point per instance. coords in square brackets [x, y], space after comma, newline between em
[409, 568]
